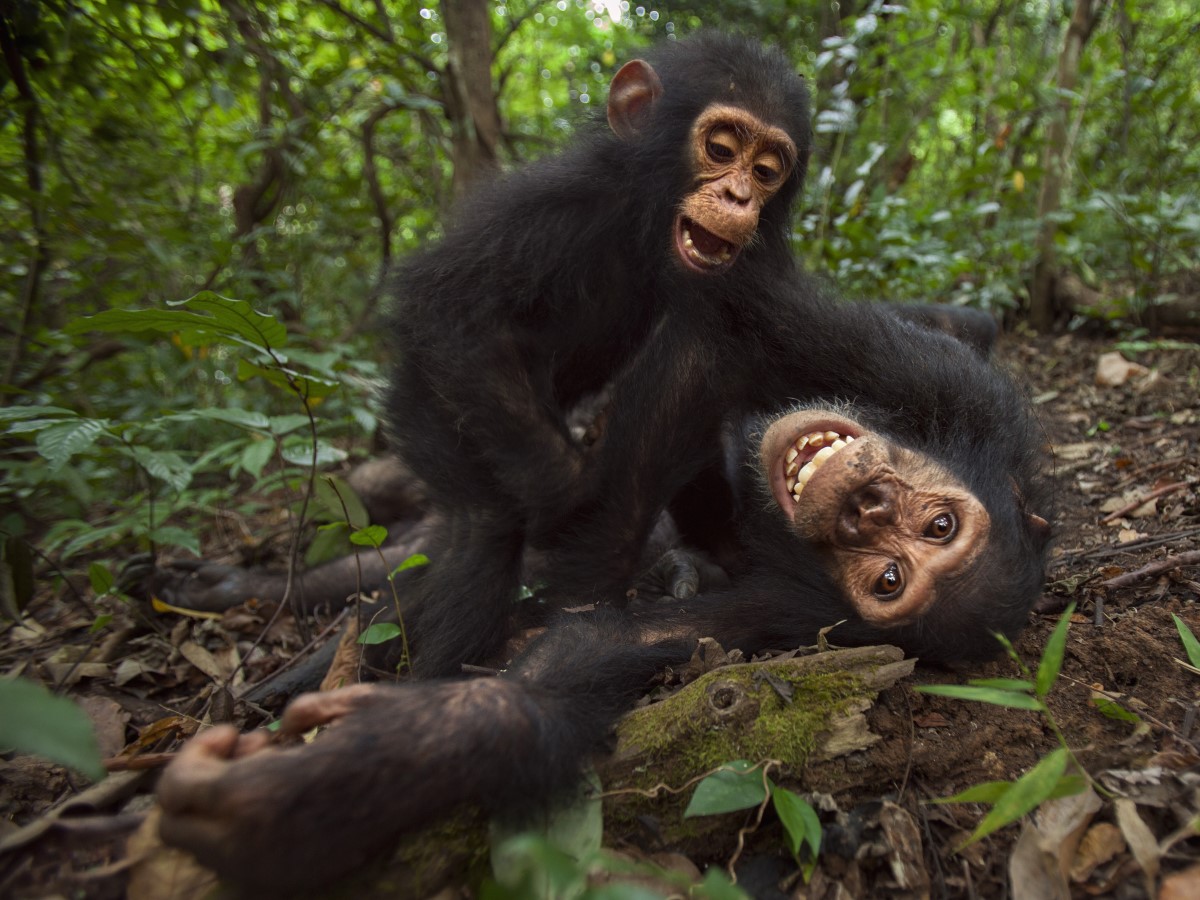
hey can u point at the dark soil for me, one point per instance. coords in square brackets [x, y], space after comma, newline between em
[147, 685]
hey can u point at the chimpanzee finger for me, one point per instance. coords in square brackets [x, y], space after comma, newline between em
[188, 781]
[310, 710]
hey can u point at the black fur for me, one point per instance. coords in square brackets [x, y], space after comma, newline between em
[551, 284]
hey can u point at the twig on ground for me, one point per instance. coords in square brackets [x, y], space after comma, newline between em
[1190, 558]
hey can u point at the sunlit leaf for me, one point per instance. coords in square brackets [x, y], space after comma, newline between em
[379, 633]
[371, 536]
[994, 696]
[1033, 788]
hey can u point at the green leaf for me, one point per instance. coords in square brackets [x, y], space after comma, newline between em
[101, 622]
[35, 721]
[340, 502]
[299, 453]
[165, 465]
[1004, 684]
[256, 456]
[986, 792]
[1029, 791]
[58, 443]
[379, 633]
[1052, 657]
[101, 578]
[717, 886]
[735, 786]
[994, 696]
[412, 562]
[1190, 644]
[1113, 710]
[799, 820]
[371, 536]
[208, 316]
[175, 536]
[990, 792]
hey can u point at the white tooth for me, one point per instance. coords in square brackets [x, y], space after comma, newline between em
[802, 442]
[792, 468]
[796, 497]
[687, 242]
[838, 444]
[831, 436]
[823, 455]
[805, 474]
[792, 454]
[816, 440]
[849, 439]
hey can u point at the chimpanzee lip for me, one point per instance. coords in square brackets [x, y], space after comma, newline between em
[700, 250]
[809, 435]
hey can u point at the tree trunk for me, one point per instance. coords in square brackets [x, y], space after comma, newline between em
[1055, 160]
[467, 87]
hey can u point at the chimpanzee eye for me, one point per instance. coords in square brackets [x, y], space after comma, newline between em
[942, 528]
[768, 170]
[722, 145]
[890, 583]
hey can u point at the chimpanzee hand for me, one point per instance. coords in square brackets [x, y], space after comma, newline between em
[680, 574]
[279, 819]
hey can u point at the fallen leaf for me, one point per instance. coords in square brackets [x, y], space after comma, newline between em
[1138, 835]
[1040, 861]
[931, 720]
[1102, 842]
[108, 723]
[1113, 370]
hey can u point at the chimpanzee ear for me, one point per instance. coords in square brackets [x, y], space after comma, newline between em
[634, 89]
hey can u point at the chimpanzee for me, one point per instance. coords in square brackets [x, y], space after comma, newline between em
[911, 510]
[618, 262]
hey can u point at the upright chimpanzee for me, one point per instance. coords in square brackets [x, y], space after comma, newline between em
[922, 492]
[618, 262]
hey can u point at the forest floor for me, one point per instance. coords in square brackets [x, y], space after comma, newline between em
[1115, 447]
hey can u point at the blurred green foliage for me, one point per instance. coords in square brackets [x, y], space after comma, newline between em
[282, 153]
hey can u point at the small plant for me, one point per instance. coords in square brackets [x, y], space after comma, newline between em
[741, 785]
[1059, 773]
[1190, 644]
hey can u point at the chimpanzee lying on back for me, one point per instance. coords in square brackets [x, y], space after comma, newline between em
[920, 491]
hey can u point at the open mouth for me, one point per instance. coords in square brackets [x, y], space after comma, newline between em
[700, 249]
[807, 454]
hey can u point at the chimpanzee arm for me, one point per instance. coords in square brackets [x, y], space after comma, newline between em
[662, 423]
[397, 757]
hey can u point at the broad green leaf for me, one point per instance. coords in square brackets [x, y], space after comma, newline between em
[101, 622]
[371, 536]
[16, 413]
[1005, 684]
[175, 536]
[994, 696]
[165, 465]
[1052, 657]
[101, 578]
[35, 721]
[208, 316]
[340, 502]
[1190, 644]
[735, 786]
[379, 633]
[256, 456]
[299, 453]
[1033, 788]
[233, 415]
[799, 820]
[308, 387]
[717, 886]
[58, 443]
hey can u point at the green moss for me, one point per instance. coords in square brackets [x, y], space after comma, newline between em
[676, 740]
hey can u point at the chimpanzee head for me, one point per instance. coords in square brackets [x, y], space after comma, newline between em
[925, 556]
[725, 121]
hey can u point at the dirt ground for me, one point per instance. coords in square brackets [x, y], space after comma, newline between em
[1128, 469]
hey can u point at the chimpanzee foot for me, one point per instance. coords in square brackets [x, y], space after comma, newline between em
[212, 587]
